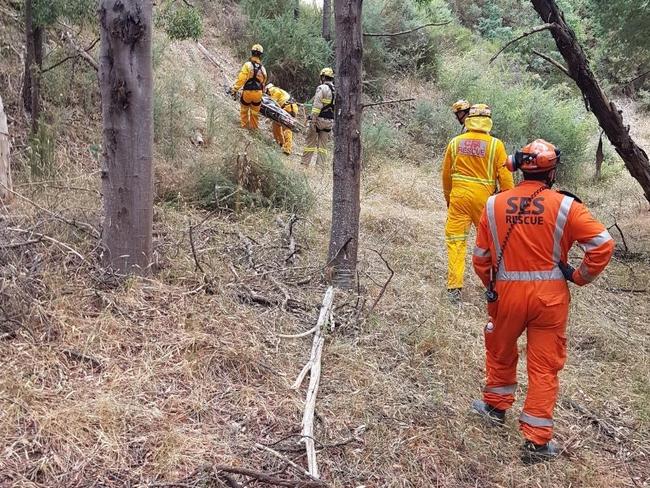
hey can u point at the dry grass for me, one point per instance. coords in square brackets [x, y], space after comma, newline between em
[133, 382]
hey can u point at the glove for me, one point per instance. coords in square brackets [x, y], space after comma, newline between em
[567, 271]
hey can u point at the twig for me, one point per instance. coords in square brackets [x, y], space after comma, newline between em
[558, 65]
[83, 358]
[298, 336]
[57, 216]
[197, 263]
[383, 288]
[20, 244]
[80, 51]
[534, 30]
[386, 102]
[629, 82]
[391, 34]
[266, 478]
[284, 458]
[48, 238]
[615, 224]
[628, 290]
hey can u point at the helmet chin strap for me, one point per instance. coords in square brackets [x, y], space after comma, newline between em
[550, 181]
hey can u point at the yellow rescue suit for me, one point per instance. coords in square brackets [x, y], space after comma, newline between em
[252, 78]
[474, 162]
[283, 135]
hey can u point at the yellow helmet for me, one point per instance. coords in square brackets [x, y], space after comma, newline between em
[480, 110]
[327, 72]
[258, 48]
[460, 105]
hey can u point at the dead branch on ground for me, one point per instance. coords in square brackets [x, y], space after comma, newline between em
[48, 238]
[534, 30]
[383, 288]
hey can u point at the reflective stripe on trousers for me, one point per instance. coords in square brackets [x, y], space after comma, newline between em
[535, 421]
[501, 390]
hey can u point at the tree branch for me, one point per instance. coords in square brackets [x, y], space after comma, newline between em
[534, 30]
[558, 65]
[392, 34]
[383, 288]
[386, 102]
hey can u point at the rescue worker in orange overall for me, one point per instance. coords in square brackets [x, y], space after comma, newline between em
[473, 165]
[251, 80]
[282, 135]
[521, 257]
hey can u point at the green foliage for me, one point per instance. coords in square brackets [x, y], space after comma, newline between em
[491, 24]
[171, 116]
[42, 150]
[294, 51]
[378, 138]
[433, 124]
[240, 182]
[180, 21]
[47, 12]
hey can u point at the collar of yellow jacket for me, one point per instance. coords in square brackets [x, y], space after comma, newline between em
[480, 124]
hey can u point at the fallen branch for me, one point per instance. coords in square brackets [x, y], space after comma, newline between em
[314, 381]
[383, 288]
[386, 102]
[620, 231]
[549, 59]
[48, 238]
[95, 364]
[392, 34]
[197, 263]
[534, 30]
[20, 244]
[284, 458]
[209, 56]
[298, 336]
[76, 225]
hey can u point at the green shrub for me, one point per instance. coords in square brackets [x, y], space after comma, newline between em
[260, 181]
[433, 124]
[171, 115]
[522, 110]
[378, 138]
[180, 21]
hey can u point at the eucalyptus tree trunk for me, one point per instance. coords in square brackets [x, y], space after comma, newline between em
[344, 237]
[33, 65]
[5, 168]
[126, 83]
[327, 20]
[608, 115]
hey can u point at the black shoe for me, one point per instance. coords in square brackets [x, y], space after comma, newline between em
[538, 453]
[488, 412]
[454, 295]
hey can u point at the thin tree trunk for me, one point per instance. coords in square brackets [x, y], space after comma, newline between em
[344, 238]
[33, 65]
[608, 115]
[126, 82]
[327, 20]
[5, 168]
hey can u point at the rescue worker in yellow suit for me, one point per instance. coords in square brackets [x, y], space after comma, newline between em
[461, 109]
[251, 80]
[282, 135]
[321, 120]
[474, 163]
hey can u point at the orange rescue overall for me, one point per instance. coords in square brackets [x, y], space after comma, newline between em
[533, 295]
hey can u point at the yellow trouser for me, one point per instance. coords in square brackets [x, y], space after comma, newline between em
[318, 135]
[249, 111]
[466, 204]
[283, 135]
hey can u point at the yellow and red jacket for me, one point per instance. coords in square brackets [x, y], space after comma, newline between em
[252, 76]
[540, 237]
[475, 158]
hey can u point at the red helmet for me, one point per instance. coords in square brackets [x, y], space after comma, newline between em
[537, 157]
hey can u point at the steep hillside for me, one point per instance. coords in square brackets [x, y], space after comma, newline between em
[151, 381]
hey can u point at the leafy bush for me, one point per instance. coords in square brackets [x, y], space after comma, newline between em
[180, 21]
[248, 182]
[378, 137]
[522, 110]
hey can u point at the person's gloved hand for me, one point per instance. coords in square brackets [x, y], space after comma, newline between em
[567, 271]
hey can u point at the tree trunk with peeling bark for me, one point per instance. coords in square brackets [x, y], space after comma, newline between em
[5, 168]
[327, 20]
[126, 83]
[344, 237]
[608, 115]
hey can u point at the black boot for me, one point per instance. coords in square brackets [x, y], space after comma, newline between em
[488, 412]
[537, 453]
